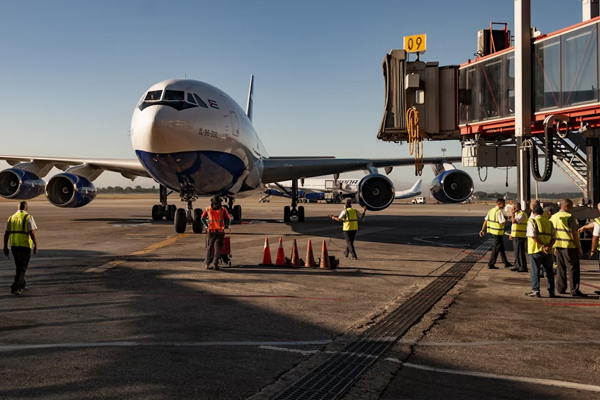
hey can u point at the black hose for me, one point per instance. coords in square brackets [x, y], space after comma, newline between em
[549, 152]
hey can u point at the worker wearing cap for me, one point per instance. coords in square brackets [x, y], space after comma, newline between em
[494, 224]
[20, 231]
[349, 216]
[518, 234]
[215, 219]
[567, 249]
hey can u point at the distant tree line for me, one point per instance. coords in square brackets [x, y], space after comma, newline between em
[513, 196]
[119, 189]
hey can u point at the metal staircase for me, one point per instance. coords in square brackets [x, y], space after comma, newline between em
[570, 157]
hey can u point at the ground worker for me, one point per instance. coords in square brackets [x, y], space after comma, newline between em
[540, 237]
[215, 219]
[20, 230]
[567, 249]
[595, 225]
[495, 221]
[533, 203]
[518, 234]
[349, 216]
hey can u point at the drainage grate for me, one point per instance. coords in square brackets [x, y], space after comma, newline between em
[334, 376]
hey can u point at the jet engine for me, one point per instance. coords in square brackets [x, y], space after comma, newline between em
[452, 186]
[20, 185]
[70, 190]
[376, 192]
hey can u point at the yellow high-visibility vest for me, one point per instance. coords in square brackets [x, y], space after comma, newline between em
[597, 220]
[493, 226]
[18, 225]
[351, 220]
[543, 232]
[560, 220]
[519, 230]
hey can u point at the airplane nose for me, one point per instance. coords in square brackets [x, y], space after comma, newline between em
[155, 128]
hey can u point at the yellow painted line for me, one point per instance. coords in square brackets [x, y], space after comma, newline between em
[159, 245]
[151, 248]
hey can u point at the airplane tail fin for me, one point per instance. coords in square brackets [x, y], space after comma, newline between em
[417, 186]
[250, 101]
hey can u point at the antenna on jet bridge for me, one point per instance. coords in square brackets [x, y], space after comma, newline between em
[250, 101]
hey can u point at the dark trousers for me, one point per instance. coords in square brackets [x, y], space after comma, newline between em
[349, 236]
[541, 261]
[498, 247]
[214, 240]
[22, 256]
[567, 260]
[520, 246]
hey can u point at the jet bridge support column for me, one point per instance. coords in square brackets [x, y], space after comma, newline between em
[593, 169]
[523, 96]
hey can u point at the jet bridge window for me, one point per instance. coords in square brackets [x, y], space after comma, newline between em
[174, 95]
[200, 102]
[153, 95]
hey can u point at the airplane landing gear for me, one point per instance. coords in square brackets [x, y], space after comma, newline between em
[184, 216]
[234, 210]
[294, 210]
[163, 209]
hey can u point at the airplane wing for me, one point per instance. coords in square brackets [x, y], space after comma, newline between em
[282, 169]
[130, 169]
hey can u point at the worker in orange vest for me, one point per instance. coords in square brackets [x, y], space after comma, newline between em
[215, 219]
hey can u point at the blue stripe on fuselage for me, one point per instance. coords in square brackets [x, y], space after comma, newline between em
[207, 172]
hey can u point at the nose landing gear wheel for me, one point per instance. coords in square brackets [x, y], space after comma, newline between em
[180, 220]
[196, 221]
[286, 214]
[301, 214]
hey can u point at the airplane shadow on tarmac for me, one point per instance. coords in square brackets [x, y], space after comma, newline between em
[158, 313]
[166, 313]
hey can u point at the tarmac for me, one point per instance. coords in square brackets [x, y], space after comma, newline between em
[120, 307]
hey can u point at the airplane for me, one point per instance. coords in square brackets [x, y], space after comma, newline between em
[315, 189]
[415, 190]
[194, 139]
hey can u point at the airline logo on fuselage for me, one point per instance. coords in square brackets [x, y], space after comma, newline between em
[213, 104]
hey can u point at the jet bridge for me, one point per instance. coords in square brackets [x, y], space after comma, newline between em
[475, 103]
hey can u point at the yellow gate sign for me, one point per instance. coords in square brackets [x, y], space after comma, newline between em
[415, 43]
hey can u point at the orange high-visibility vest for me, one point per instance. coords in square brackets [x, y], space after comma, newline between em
[216, 221]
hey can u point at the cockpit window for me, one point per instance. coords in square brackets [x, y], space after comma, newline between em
[174, 95]
[200, 102]
[153, 95]
[190, 98]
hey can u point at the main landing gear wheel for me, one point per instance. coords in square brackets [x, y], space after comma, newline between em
[170, 213]
[287, 214]
[196, 221]
[301, 214]
[180, 220]
[237, 213]
[157, 212]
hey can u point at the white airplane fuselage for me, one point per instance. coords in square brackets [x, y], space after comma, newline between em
[190, 135]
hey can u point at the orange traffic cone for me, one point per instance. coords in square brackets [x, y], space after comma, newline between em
[280, 261]
[267, 254]
[295, 257]
[310, 258]
[324, 257]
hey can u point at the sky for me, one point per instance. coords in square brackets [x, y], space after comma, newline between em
[71, 72]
